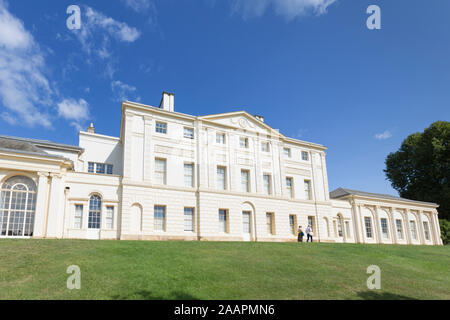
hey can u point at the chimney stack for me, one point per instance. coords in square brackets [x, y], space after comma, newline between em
[91, 128]
[167, 101]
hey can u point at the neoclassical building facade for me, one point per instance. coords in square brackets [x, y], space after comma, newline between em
[173, 176]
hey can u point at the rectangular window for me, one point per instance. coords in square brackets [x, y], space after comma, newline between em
[347, 229]
[160, 171]
[245, 180]
[368, 223]
[220, 138]
[91, 166]
[100, 168]
[305, 156]
[311, 223]
[243, 142]
[289, 187]
[78, 218]
[307, 186]
[287, 152]
[426, 230]
[265, 147]
[189, 219]
[189, 133]
[109, 169]
[189, 175]
[110, 218]
[293, 224]
[223, 217]
[159, 219]
[412, 226]
[269, 223]
[384, 228]
[398, 223]
[267, 183]
[221, 178]
[161, 127]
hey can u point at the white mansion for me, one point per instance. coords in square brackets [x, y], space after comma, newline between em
[173, 176]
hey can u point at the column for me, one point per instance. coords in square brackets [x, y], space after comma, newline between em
[407, 230]
[258, 166]
[435, 219]
[355, 221]
[41, 205]
[363, 229]
[420, 227]
[393, 226]
[148, 152]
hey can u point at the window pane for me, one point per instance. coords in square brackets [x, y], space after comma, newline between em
[221, 182]
[426, 230]
[287, 152]
[267, 183]
[412, 226]
[289, 187]
[245, 181]
[78, 221]
[243, 142]
[384, 228]
[368, 224]
[269, 222]
[189, 219]
[188, 175]
[160, 218]
[110, 218]
[307, 185]
[109, 169]
[222, 220]
[160, 171]
[398, 223]
[95, 208]
[91, 167]
[305, 156]
[100, 168]
[189, 133]
[265, 147]
[161, 127]
[220, 138]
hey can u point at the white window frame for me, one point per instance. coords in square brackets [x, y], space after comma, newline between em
[243, 142]
[188, 133]
[384, 228]
[223, 223]
[159, 224]
[245, 180]
[426, 230]
[189, 176]
[305, 155]
[368, 227]
[159, 173]
[109, 217]
[399, 228]
[189, 223]
[265, 146]
[220, 138]
[78, 216]
[161, 127]
[290, 188]
[267, 184]
[287, 152]
[221, 185]
[413, 229]
[270, 218]
[307, 190]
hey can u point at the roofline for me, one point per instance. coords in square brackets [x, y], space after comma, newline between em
[44, 143]
[26, 153]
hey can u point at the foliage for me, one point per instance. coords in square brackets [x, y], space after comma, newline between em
[420, 169]
[445, 230]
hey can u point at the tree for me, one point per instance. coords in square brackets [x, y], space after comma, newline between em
[420, 169]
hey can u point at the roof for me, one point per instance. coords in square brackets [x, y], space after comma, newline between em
[342, 193]
[33, 146]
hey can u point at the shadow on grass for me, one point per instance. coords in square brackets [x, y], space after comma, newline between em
[372, 295]
[148, 295]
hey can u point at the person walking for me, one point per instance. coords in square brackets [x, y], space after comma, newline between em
[309, 233]
[300, 234]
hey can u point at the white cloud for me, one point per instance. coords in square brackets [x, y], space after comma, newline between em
[290, 9]
[71, 109]
[123, 91]
[24, 88]
[383, 136]
[138, 5]
[25, 91]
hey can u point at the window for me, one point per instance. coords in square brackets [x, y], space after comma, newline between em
[412, 226]
[245, 183]
[265, 147]
[305, 156]
[159, 219]
[269, 222]
[110, 217]
[223, 217]
[267, 183]
[161, 127]
[307, 186]
[368, 223]
[160, 171]
[78, 218]
[189, 175]
[347, 229]
[220, 138]
[221, 180]
[189, 219]
[287, 152]
[189, 133]
[398, 223]
[289, 187]
[95, 212]
[426, 230]
[293, 223]
[311, 223]
[100, 168]
[384, 228]
[243, 142]
[340, 227]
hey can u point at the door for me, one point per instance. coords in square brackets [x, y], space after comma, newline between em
[247, 225]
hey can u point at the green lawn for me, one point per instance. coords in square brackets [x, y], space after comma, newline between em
[36, 269]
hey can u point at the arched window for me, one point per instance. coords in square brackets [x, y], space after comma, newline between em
[95, 212]
[17, 207]
[340, 226]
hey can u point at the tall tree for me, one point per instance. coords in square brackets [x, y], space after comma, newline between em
[420, 169]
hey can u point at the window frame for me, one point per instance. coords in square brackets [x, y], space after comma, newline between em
[384, 228]
[223, 223]
[269, 184]
[192, 227]
[191, 165]
[222, 140]
[303, 156]
[155, 218]
[270, 225]
[161, 127]
[246, 143]
[225, 185]
[247, 185]
[290, 188]
[189, 135]
[108, 218]
[78, 215]
[288, 153]
[399, 228]
[368, 227]
[158, 172]
[307, 192]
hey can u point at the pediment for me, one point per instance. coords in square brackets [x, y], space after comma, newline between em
[241, 120]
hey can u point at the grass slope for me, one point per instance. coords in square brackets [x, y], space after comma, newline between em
[36, 269]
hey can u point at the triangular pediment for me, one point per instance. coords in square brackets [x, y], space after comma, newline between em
[241, 120]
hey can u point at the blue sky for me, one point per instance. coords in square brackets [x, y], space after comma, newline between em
[311, 67]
